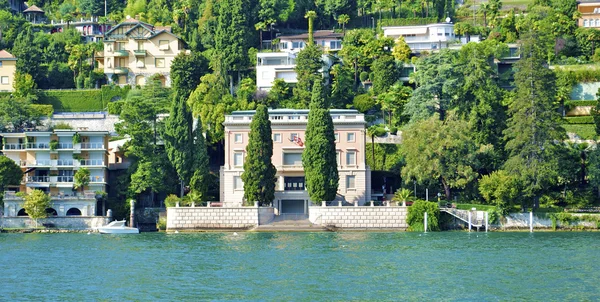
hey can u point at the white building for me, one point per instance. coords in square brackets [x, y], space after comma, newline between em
[429, 37]
[282, 63]
[288, 127]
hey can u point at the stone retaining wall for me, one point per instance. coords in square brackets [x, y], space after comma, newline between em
[359, 217]
[521, 221]
[187, 218]
[71, 223]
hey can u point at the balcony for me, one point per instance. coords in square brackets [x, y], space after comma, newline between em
[38, 146]
[36, 163]
[91, 163]
[96, 179]
[10, 147]
[92, 146]
[290, 168]
[121, 53]
[121, 70]
[64, 146]
[64, 163]
[139, 53]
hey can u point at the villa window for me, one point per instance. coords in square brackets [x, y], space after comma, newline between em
[121, 62]
[140, 45]
[4, 80]
[139, 63]
[337, 137]
[238, 159]
[297, 45]
[351, 158]
[293, 137]
[0, 64]
[294, 183]
[238, 184]
[163, 44]
[277, 137]
[335, 44]
[238, 138]
[120, 45]
[159, 62]
[351, 137]
[292, 159]
[350, 182]
[337, 158]
[585, 23]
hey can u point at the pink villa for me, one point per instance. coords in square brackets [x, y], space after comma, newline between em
[288, 127]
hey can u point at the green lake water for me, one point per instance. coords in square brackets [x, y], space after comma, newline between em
[340, 266]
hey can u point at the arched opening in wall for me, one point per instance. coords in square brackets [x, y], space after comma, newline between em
[51, 212]
[163, 80]
[22, 213]
[140, 80]
[73, 212]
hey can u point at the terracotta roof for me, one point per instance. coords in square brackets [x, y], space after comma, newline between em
[33, 9]
[319, 34]
[6, 55]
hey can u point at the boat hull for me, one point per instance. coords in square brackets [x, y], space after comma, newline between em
[125, 230]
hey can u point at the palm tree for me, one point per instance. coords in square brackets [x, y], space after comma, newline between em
[310, 15]
[260, 26]
[484, 8]
[343, 19]
[402, 195]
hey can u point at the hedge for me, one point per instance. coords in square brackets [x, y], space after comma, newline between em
[571, 104]
[578, 75]
[46, 110]
[115, 107]
[387, 157]
[81, 100]
[574, 120]
[407, 21]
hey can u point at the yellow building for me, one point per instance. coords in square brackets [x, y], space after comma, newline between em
[8, 67]
[135, 50]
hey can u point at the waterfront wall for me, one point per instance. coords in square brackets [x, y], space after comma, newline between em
[70, 223]
[187, 218]
[521, 221]
[359, 217]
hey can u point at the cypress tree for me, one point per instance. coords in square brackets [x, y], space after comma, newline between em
[259, 173]
[178, 139]
[199, 182]
[319, 156]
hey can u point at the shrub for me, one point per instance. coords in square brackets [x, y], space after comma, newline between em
[570, 104]
[416, 212]
[387, 157]
[562, 219]
[363, 102]
[76, 138]
[162, 224]
[115, 107]
[53, 144]
[579, 120]
[394, 130]
[171, 201]
[364, 76]
[62, 125]
[46, 110]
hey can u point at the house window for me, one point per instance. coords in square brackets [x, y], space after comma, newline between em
[140, 45]
[120, 45]
[293, 183]
[0, 63]
[297, 44]
[121, 62]
[283, 45]
[585, 23]
[293, 117]
[335, 44]
[350, 182]
[351, 158]
[337, 137]
[163, 44]
[351, 137]
[139, 63]
[159, 62]
[238, 138]
[277, 137]
[292, 159]
[237, 183]
[293, 137]
[238, 159]
[4, 80]
[337, 158]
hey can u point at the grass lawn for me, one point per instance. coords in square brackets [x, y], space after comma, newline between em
[468, 206]
[585, 131]
[576, 67]
[523, 3]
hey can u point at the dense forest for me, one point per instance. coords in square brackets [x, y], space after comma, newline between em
[470, 131]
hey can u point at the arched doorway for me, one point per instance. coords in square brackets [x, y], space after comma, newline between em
[73, 212]
[51, 212]
[22, 213]
[163, 80]
[140, 80]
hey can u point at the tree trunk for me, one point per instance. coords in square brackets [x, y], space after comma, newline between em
[260, 38]
[446, 189]
[484, 19]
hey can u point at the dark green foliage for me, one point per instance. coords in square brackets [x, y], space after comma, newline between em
[115, 107]
[10, 174]
[571, 104]
[178, 139]
[81, 100]
[201, 179]
[385, 73]
[319, 156]
[416, 216]
[28, 53]
[364, 102]
[259, 173]
[388, 157]
[41, 110]
[231, 36]
[186, 71]
[308, 63]
[574, 120]
[407, 21]
[596, 115]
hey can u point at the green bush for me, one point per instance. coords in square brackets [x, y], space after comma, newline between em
[575, 120]
[581, 75]
[364, 76]
[115, 107]
[76, 138]
[45, 110]
[571, 104]
[171, 201]
[562, 219]
[416, 213]
[62, 125]
[53, 144]
[162, 224]
[394, 130]
[387, 157]
[585, 131]
[363, 102]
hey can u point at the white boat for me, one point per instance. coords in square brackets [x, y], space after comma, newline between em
[117, 227]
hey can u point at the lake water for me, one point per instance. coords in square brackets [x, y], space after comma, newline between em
[301, 266]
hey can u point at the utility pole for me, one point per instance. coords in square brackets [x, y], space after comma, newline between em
[105, 6]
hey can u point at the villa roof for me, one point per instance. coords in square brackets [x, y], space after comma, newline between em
[295, 111]
[319, 34]
[6, 55]
[33, 9]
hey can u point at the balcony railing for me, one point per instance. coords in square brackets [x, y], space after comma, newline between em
[121, 53]
[64, 162]
[139, 53]
[121, 70]
[38, 146]
[14, 146]
[92, 146]
[91, 162]
[36, 163]
[38, 179]
[96, 179]
[64, 146]
[9, 195]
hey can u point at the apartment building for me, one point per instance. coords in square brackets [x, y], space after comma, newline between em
[135, 50]
[90, 28]
[281, 64]
[288, 127]
[8, 67]
[589, 14]
[49, 160]
[430, 37]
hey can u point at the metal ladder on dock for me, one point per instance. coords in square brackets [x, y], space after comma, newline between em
[463, 215]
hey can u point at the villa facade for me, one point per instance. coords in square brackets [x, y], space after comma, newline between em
[288, 127]
[135, 50]
[430, 37]
[589, 13]
[49, 161]
[8, 67]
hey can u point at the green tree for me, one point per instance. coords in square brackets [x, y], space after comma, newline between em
[210, 100]
[259, 173]
[24, 85]
[10, 174]
[441, 151]
[186, 71]
[232, 37]
[28, 55]
[36, 204]
[319, 156]
[401, 51]
[81, 179]
[308, 64]
[594, 169]
[279, 94]
[200, 181]
[385, 74]
[91, 7]
[311, 16]
[533, 126]
[342, 86]
[416, 216]
[178, 140]
[596, 114]
[342, 20]
[500, 189]
[148, 176]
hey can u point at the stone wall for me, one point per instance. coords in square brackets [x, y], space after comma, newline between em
[521, 221]
[265, 215]
[359, 217]
[71, 223]
[187, 218]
